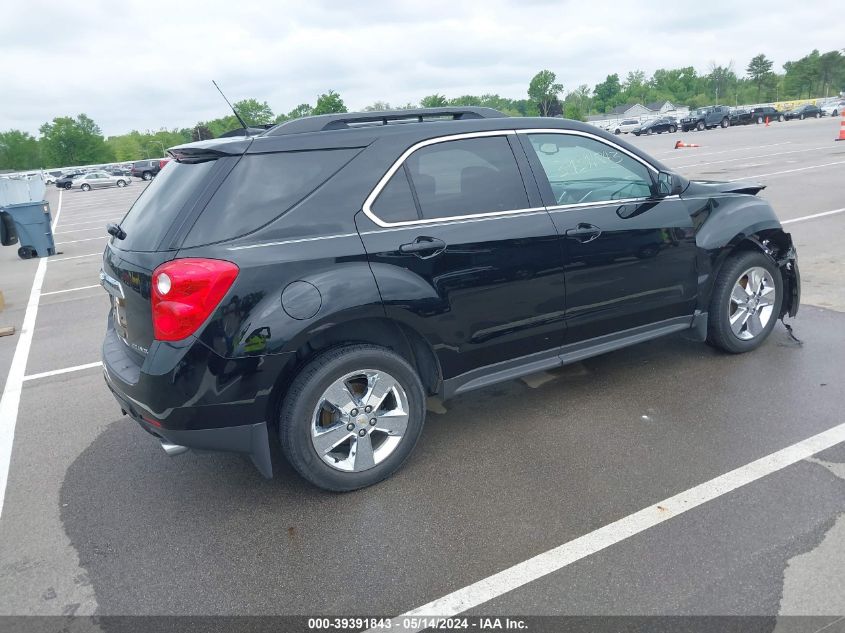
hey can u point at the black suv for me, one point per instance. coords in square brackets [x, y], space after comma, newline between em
[147, 169]
[706, 118]
[322, 279]
[759, 115]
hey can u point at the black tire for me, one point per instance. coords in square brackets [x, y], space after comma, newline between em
[121, 183]
[818, 115]
[25, 252]
[759, 120]
[719, 332]
[726, 123]
[699, 126]
[67, 186]
[617, 132]
[650, 131]
[835, 113]
[304, 395]
[85, 187]
[672, 129]
[780, 118]
[147, 175]
[801, 117]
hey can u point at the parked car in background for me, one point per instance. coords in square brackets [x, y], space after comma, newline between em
[147, 169]
[741, 116]
[759, 115]
[808, 111]
[623, 127]
[65, 181]
[118, 171]
[98, 180]
[834, 109]
[657, 126]
[251, 300]
[706, 118]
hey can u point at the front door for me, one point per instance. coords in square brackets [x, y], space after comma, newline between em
[465, 255]
[629, 257]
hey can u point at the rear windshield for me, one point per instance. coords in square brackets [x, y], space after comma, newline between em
[154, 212]
[262, 187]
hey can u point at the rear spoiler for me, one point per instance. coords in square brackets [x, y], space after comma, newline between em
[203, 151]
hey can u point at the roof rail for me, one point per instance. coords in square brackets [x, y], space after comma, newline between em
[325, 122]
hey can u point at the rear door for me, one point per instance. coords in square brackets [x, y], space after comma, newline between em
[465, 254]
[630, 259]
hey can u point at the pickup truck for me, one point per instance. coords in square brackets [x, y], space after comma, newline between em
[706, 118]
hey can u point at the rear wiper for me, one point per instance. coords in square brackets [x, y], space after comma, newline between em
[116, 231]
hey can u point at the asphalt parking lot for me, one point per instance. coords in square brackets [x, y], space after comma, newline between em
[98, 520]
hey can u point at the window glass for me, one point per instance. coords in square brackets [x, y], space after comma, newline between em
[156, 209]
[395, 203]
[262, 187]
[476, 175]
[582, 169]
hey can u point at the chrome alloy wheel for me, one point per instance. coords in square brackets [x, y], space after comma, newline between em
[752, 303]
[359, 420]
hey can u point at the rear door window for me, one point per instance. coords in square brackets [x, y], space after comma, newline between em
[468, 176]
[261, 188]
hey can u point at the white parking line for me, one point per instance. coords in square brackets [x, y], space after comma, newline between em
[681, 155]
[58, 292]
[93, 228]
[64, 259]
[787, 171]
[65, 370]
[730, 160]
[87, 239]
[555, 559]
[103, 221]
[815, 215]
[11, 398]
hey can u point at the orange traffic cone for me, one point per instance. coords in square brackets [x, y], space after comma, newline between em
[681, 144]
[842, 128]
[767, 121]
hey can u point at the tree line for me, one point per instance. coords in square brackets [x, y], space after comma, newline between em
[79, 140]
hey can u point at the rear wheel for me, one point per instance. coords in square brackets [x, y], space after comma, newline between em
[818, 115]
[672, 129]
[745, 303]
[351, 417]
[25, 252]
[86, 187]
[725, 122]
[801, 117]
[121, 183]
[147, 175]
[780, 118]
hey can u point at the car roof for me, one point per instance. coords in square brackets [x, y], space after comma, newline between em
[406, 134]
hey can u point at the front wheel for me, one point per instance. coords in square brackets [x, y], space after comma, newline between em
[745, 303]
[121, 183]
[801, 117]
[725, 123]
[25, 252]
[351, 417]
[700, 126]
[86, 187]
[780, 119]
[818, 115]
[672, 129]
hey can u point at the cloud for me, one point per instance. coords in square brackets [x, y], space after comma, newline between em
[144, 65]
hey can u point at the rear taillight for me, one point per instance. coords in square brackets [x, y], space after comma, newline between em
[162, 163]
[185, 292]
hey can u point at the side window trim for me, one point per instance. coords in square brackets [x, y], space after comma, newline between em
[543, 180]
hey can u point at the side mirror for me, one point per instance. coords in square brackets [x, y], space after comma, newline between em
[667, 185]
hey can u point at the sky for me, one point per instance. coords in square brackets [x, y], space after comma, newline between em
[148, 65]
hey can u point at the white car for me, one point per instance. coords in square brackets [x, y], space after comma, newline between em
[623, 127]
[99, 179]
[834, 109]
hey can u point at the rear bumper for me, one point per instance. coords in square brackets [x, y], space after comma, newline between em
[188, 395]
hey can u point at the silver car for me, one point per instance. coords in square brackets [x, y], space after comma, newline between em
[96, 179]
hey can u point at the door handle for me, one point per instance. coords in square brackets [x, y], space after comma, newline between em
[584, 232]
[424, 247]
